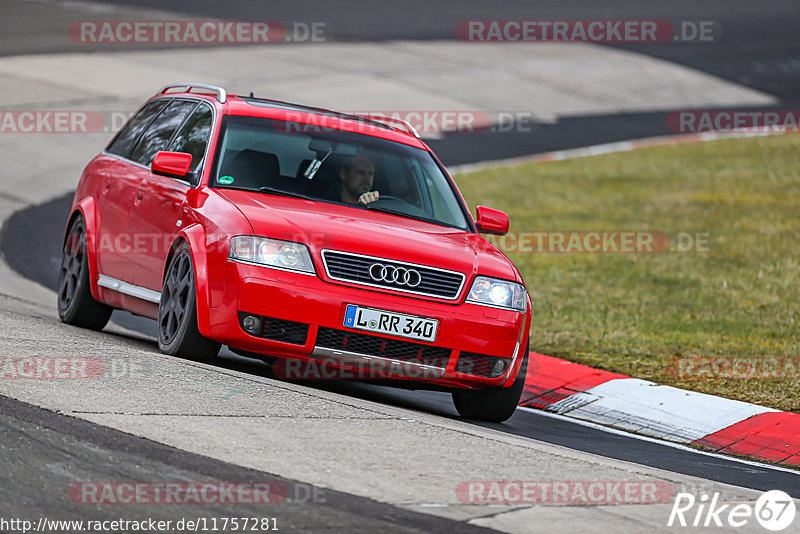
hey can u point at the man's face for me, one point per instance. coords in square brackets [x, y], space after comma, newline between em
[359, 177]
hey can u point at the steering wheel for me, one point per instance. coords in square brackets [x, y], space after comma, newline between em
[390, 198]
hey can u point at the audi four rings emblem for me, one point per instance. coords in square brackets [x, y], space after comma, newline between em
[395, 275]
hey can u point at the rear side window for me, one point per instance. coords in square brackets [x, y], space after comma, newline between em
[194, 135]
[161, 130]
[127, 137]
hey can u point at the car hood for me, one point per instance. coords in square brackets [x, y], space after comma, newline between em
[322, 225]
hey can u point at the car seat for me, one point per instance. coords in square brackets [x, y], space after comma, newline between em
[252, 169]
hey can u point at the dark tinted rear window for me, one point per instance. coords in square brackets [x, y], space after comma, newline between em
[194, 135]
[161, 130]
[123, 144]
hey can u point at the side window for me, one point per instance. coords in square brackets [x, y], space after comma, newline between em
[126, 139]
[194, 135]
[160, 131]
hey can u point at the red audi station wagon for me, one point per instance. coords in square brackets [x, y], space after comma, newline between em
[306, 237]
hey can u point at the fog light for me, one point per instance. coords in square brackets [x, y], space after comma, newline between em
[499, 367]
[251, 324]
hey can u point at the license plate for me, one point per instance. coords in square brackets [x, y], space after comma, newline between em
[386, 322]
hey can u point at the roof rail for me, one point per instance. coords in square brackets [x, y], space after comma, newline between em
[391, 120]
[222, 95]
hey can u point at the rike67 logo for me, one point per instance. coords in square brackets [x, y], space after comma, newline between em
[774, 510]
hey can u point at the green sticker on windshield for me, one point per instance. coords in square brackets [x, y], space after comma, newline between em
[226, 180]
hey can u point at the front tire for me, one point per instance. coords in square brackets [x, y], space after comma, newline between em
[493, 405]
[76, 305]
[178, 334]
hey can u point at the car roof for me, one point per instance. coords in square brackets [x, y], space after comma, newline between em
[313, 116]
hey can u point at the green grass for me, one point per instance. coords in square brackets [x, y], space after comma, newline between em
[637, 313]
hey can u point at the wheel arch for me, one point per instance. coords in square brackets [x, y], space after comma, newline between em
[194, 236]
[524, 345]
[87, 210]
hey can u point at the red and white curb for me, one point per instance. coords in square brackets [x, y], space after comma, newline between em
[646, 408]
[662, 412]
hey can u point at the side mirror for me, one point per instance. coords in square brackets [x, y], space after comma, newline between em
[492, 221]
[173, 165]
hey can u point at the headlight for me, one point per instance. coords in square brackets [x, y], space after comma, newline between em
[499, 293]
[286, 255]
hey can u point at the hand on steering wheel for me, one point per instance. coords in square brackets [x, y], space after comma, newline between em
[369, 196]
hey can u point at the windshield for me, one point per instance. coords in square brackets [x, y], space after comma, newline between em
[277, 157]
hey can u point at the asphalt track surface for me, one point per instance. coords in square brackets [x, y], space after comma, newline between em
[758, 46]
[66, 450]
[38, 259]
[759, 49]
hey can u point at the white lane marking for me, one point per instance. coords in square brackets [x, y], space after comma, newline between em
[653, 410]
[671, 444]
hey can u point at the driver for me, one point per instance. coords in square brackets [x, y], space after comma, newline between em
[357, 175]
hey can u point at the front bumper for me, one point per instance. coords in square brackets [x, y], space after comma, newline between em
[308, 300]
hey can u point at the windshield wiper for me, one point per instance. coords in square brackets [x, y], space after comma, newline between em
[400, 213]
[281, 192]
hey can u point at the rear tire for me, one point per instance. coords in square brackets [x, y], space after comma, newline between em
[76, 305]
[178, 334]
[493, 405]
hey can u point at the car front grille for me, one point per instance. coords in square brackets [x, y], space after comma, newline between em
[394, 349]
[356, 268]
[480, 365]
